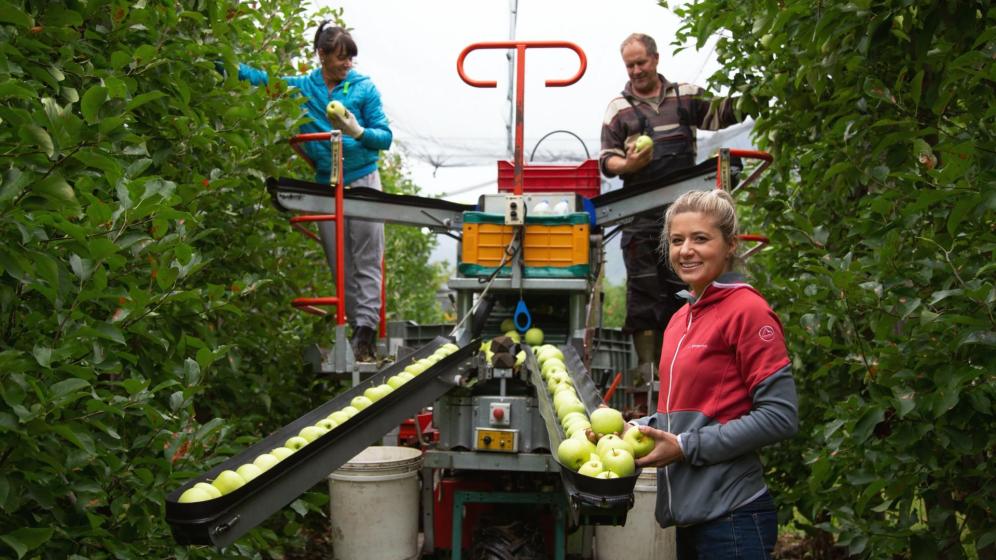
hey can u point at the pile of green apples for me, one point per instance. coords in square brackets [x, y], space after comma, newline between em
[229, 481]
[613, 454]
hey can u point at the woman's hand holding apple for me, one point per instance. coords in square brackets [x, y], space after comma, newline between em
[666, 449]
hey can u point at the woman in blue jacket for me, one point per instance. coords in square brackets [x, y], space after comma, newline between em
[365, 133]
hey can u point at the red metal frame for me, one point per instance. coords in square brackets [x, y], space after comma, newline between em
[520, 75]
[722, 167]
[748, 154]
[311, 304]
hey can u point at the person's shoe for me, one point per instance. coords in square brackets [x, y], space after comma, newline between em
[364, 344]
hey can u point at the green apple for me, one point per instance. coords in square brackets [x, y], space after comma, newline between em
[377, 392]
[295, 443]
[338, 416]
[549, 352]
[562, 398]
[248, 471]
[639, 441]
[571, 417]
[507, 325]
[350, 411]
[228, 481]
[326, 424]
[520, 358]
[565, 386]
[514, 335]
[644, 142]
[311, 433]
[215, 493]
[572, 453]
[405, 376]
[415, 369]
[396, 381]
[619, 461]
[449, 347]
[607, 420]
[571, 406]
[592, 467]
[552, 365]
[282, 453]
[580, 434]
[335, 108]
[577, 426]
[360, 402]
[534, 336]
[612, 441]
[607, 474]
[556, 378]
[266, 461]
[195, 494]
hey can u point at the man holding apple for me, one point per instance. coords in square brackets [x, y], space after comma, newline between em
[339, 97]
[648, 133]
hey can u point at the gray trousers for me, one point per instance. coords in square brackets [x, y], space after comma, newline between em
[364, 246]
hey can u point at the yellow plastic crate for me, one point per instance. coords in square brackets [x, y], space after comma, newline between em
[557, 246]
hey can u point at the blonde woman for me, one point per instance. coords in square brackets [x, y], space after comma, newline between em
[726, 391]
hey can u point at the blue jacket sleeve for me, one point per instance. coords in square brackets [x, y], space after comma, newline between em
[377, 133]
[252, 75]
[774, 417]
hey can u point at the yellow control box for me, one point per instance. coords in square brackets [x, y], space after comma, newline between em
[497, 440]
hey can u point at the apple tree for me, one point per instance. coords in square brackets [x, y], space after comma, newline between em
[145, 279]
[880, 207]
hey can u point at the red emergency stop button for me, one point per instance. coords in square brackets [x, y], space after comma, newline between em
[499, 413]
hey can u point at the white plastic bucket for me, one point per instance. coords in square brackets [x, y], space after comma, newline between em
[641, 538]
[374, 502]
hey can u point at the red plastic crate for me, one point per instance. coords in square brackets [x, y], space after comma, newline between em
[583, 178]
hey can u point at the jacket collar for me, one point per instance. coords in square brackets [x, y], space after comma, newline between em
[352, 77]
[717, 290]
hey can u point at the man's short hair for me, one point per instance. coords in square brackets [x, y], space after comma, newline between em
[646, 40]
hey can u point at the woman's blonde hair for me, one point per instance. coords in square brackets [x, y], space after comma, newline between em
[715, 203]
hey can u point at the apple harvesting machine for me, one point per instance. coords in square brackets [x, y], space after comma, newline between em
[486, 446]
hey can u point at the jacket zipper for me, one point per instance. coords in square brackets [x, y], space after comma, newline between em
[667, 405]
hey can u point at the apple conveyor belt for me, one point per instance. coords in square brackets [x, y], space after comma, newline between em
[612, 208]
[221, 521]
[592, 501]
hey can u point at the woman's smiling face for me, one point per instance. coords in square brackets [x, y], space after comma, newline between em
[697, 250]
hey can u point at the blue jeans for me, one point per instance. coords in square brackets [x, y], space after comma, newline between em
[746, 533]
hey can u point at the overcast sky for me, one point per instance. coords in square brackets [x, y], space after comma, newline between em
[451, 133]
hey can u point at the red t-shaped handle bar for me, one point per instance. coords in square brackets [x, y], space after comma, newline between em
[520, 74]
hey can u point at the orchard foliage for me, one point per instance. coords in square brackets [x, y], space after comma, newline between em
[880, 207]
[145, 279]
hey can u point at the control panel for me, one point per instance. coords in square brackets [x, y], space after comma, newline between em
[493, 439]
[515, 211]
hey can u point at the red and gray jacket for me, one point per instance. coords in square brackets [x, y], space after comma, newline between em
[726, 391]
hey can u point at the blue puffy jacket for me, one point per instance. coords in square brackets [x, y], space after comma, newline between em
[358, 93]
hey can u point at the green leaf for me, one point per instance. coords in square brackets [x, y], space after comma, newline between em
[43, 356]
[39, 137]
[14, 15]
[55, 189]
[93, 100]
[863, 428]
[66, 386]
[142, 99]
[26, 539]
[12, 88]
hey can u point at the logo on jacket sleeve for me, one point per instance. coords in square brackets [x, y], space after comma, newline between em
[766, 333]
